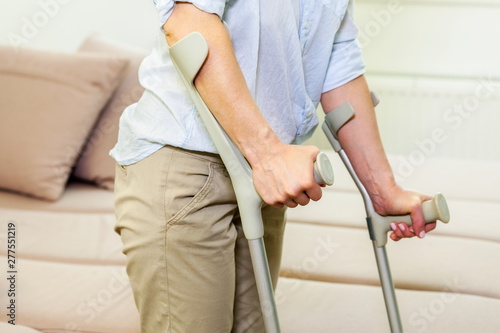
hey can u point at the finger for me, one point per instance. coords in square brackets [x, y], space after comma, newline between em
[396, 231]
[277, 205]
[302, 199]
[417, 217]
[290, 203]
[393, 234]
[430, 226]
[314, 192]
[394, 237]
[406, 230]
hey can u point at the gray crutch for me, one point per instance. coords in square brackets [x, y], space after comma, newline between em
[378, 226]
[188, 56]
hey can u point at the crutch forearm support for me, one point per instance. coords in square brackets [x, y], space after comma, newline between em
[188, 55]
[435, 209]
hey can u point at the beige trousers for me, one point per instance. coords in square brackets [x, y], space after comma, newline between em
[187, 259]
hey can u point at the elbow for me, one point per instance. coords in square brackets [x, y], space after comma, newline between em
[171, 37]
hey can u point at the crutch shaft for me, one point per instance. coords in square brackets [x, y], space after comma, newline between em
[264, 285]
[383, 267]
[391, 303]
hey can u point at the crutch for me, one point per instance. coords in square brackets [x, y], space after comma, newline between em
[378, 226]
[188, 56]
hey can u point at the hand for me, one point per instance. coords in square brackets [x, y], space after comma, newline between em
[402, 202]
[284, 175]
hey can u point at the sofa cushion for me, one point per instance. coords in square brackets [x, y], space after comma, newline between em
[50, 102]
[95, 165]
[97, 200]
[320, 307]
[339, 254]
[85, 238]
[68, 297]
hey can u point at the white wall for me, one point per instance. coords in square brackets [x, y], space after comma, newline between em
[64, 24]
[437, 38]
[434, 65]
[424, 57]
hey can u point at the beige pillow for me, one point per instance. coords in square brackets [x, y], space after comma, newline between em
[95, 164]
[49, 104]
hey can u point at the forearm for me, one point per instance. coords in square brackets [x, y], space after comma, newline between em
[361, 141]
[221, 83]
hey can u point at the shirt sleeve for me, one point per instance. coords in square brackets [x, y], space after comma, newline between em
[346, 61]
[165, 7]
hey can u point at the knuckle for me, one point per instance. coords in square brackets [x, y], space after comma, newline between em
[269, 199]
[292, 191]
[280, 198]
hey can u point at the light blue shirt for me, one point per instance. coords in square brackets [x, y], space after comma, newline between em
[290, 51]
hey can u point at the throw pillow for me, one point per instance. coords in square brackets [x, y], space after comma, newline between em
[95, 165]
[50, 101]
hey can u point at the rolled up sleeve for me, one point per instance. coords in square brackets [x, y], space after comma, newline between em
[346, 61]
[165, 7]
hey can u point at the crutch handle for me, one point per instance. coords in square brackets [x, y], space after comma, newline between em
[323, 171]
[435, 209]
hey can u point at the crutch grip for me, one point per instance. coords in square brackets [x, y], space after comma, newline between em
[323, 171]
[435, 209]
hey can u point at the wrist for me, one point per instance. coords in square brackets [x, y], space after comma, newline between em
[383, 193]
[262, 146]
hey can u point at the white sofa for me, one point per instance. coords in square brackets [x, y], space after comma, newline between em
[70, 272]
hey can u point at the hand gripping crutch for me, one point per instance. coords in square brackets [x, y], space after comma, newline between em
[378, 226]
[188, 56]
